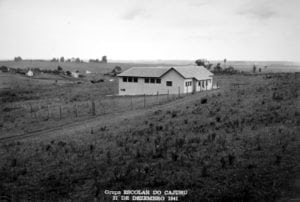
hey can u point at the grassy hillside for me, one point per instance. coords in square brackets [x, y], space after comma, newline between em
[238, 145]
[272, 66]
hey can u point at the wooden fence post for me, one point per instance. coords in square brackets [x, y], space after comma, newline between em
[168, 95]
[48, 112]
[157, 98]
[179, 91]
[76, 111]
[31, 111]
[131, 102]
[60, 112]
[93, 108]
[36, 113]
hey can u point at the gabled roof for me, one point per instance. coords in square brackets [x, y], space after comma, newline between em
[197, 72]
[145, 71]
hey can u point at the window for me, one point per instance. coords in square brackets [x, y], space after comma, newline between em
[188, 83]
[169, 83]
[124, 79]
[158, 81]
[129, 79]
[152, 80]
[122, 89]
[135, 79]
[146, 80]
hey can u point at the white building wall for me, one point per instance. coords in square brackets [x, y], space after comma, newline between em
[201, 87]
[178, 85]
[140, 88]
[188, 89]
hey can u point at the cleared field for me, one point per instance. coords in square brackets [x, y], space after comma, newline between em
[240, 144]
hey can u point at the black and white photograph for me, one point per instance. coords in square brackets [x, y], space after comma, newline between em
[150, 100]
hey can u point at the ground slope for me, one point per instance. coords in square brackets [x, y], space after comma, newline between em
[240, 144]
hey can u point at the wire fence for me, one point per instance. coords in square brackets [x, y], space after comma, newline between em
[42, 112]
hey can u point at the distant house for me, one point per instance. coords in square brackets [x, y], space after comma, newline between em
[164, 80]
[29, 73]
[75, 74]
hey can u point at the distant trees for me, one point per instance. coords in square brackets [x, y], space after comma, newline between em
[229, 70]
[104, 59]
[218, 68]
[204, 63]
[59, 68]
[94, 60]
[4, 68]
[116, 70]
[254, 69]
[54, 60]
[17, 59]
[200, 62]
[62, 59]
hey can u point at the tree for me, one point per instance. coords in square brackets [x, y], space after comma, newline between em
[259, 70]
[209, 66]
[18, 59]
[254, 69]
[200, 62]
[225, 60]
[59, 68]
[54, 60]
[218, 68]
[104, 59]
[62, 59]
[77, 60]
[116, 70]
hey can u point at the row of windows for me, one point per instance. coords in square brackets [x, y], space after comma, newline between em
[152, 80]
[130, 79]
[168, 83]
[200, 83]
[204, 83]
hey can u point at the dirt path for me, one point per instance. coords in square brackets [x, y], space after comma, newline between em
[103, 120]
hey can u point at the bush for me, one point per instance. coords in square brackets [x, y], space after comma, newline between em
[203, 100]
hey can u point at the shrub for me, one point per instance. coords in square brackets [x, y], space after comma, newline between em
[203, 100]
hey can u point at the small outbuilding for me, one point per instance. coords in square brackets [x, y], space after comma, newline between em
[75, 74]
[29, 73]
[164, 80]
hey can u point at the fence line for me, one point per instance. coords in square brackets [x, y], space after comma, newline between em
[58, 112]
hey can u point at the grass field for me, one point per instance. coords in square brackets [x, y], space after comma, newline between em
[240, 143]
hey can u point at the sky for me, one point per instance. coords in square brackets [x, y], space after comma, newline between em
[151, 29]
